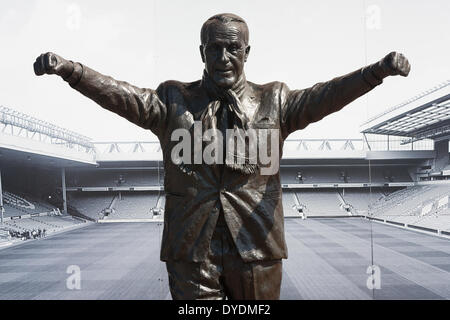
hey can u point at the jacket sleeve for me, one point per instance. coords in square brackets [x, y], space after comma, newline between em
[141, 106]
[302, 107]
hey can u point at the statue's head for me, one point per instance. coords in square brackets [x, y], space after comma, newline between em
[224, 48]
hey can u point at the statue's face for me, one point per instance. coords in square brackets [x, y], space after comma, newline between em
[225, 53]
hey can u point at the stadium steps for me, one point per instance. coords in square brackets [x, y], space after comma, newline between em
[4, 234]
[114, 200]
[89, 205]
[289, 204]
[76, 214]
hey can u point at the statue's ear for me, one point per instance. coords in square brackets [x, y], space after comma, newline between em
[202, 53]
[247, 52]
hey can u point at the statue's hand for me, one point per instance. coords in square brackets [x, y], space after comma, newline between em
[395, 64]
[50, 63]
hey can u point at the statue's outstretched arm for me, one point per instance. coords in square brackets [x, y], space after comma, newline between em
[140, 106]
[302, 107]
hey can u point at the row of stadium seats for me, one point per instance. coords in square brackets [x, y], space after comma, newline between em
[49, 223]
[321, 202]
[140, 205]
[359, 199]
[419, 206]
[425, 206]
[329, 202]
[396, 198]
[409, 200]
[16, 204]
[111, 206]
[134, 206]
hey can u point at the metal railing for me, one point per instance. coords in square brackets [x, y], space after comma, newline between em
[20, 124]
[377, 143]
[415, 98]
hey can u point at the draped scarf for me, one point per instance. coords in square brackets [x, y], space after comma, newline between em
[225, 111]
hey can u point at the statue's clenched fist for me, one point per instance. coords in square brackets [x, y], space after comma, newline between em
[50, 63]
[395, 64]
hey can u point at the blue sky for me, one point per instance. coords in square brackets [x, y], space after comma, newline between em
[147, 42]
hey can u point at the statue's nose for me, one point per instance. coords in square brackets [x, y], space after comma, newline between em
[223, 57]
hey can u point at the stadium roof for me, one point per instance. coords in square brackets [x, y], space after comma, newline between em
[21, 121]
[425, 116]
[25, 139]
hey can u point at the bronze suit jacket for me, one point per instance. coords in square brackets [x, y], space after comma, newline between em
[251, 204]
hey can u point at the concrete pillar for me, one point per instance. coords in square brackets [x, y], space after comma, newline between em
[442, 159]
[63, 183]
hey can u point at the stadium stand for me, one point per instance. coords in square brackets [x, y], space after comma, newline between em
[360, 198]
[291, 205]
[90, 204]
[17, 204]
[390, 174]
[49, 223]
[408, 201]
[355, 174]
[112, 178]
[291, 175]
[36, 226]
[423, 207]
[134, 206]
[11, 211]
[57, 222]
[321, 202]
[310, 175]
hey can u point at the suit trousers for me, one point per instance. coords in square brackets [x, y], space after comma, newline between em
[224, 274]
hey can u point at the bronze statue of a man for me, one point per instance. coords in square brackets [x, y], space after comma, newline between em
[223, 224]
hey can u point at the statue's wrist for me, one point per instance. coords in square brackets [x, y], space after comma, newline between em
[75, 75]
[373, 74]
[67, 69]
[380, 70]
